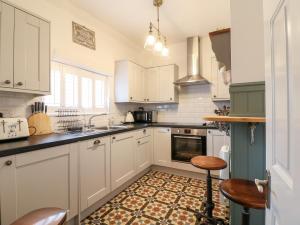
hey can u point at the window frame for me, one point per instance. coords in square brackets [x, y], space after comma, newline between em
[80, 73]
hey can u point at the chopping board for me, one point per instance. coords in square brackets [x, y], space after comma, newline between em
[39, 124]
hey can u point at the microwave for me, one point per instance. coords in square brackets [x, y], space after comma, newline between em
[145, 116]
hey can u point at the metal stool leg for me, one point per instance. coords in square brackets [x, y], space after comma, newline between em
[245, 216]
[209, 205]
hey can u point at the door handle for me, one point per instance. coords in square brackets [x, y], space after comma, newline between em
[265, 184]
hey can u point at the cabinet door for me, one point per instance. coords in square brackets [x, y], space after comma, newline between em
[215, 140]
[162, 146]
[143, 153]
[6, 45]
[151, 85]
[122, 159]
[31, 53]
[220, 91]
[45, 178]
[165, 83]
[94, 170]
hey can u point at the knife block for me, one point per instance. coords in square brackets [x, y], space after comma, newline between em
[39, 124]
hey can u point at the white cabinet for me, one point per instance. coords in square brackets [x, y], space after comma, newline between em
[220, 90]
[151, 84]
[94, 170]
[166, 89]
[162, 146]
[31, 53]
[122, 159]
[129, 82]
[6, 45]
[134, 83]
[44, 178]
[144, 146]
[159, 84]
[215, 140]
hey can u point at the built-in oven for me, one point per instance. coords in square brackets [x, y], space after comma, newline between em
[187, 143]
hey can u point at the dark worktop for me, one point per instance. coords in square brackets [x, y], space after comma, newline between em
[34, 143]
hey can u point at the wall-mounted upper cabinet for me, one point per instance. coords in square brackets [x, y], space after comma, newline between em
[6, 45]
[219, 88]
[159, 83]
[25, 52]
[134, 83]
[129, 82]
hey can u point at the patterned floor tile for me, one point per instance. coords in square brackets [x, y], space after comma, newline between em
[133, 202]
[182, 217]
[157, 199]
[166, 196]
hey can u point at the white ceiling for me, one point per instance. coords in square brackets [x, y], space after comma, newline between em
[179, 18]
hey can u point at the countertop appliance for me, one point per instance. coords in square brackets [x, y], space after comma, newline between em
[187, 143]
[13, 128]
[129, 118]
[142, 116]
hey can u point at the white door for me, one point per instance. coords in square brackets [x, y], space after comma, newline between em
[282, 45]
[122, 159]
[94, 170]
[31, 53]
[45, 178]
[143, 153]
[166, 87]
[151, 84]
[6, 45]
[162, 146]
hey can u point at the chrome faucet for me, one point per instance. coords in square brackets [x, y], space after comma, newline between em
[92, 117]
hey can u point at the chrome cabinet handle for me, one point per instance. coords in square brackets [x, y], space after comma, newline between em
[8, 163]
[7, 82]
[19, 84]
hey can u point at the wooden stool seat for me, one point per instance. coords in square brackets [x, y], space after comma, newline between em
[208, 163]
[243, 192]
[46, 216]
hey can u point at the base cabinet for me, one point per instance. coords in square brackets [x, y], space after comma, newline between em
[94, 171]
[162, 146]
[215, 140]
[143, 154]
[122, 159]
[45, 178]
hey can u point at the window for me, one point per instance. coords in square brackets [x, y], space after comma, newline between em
[86, 93]
[54, 99]
[77, 88]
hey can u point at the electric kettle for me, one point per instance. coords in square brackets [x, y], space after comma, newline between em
[129, 118]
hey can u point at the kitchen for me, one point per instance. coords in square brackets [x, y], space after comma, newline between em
[103, 115]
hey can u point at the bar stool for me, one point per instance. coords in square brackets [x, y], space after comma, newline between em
[45, 216]
[208, 163]
[244, 193]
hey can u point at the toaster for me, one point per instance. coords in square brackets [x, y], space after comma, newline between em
[13, 128]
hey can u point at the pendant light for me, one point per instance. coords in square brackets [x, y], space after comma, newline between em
[156, 42]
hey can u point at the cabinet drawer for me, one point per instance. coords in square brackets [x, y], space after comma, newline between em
[121, 137]
[143, 133]
[96, 142]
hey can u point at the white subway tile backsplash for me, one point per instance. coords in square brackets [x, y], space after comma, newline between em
[194, 103]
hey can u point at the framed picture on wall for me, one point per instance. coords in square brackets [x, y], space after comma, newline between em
[83, 36]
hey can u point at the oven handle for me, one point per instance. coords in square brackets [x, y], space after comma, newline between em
[188, 137]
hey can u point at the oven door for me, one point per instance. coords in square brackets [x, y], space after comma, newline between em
[185, 147]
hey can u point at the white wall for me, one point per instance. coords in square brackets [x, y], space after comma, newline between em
[247, 41]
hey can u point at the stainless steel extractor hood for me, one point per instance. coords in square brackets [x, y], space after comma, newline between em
[193, 64]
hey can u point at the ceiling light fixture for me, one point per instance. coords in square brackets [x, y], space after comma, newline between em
[156, 42]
